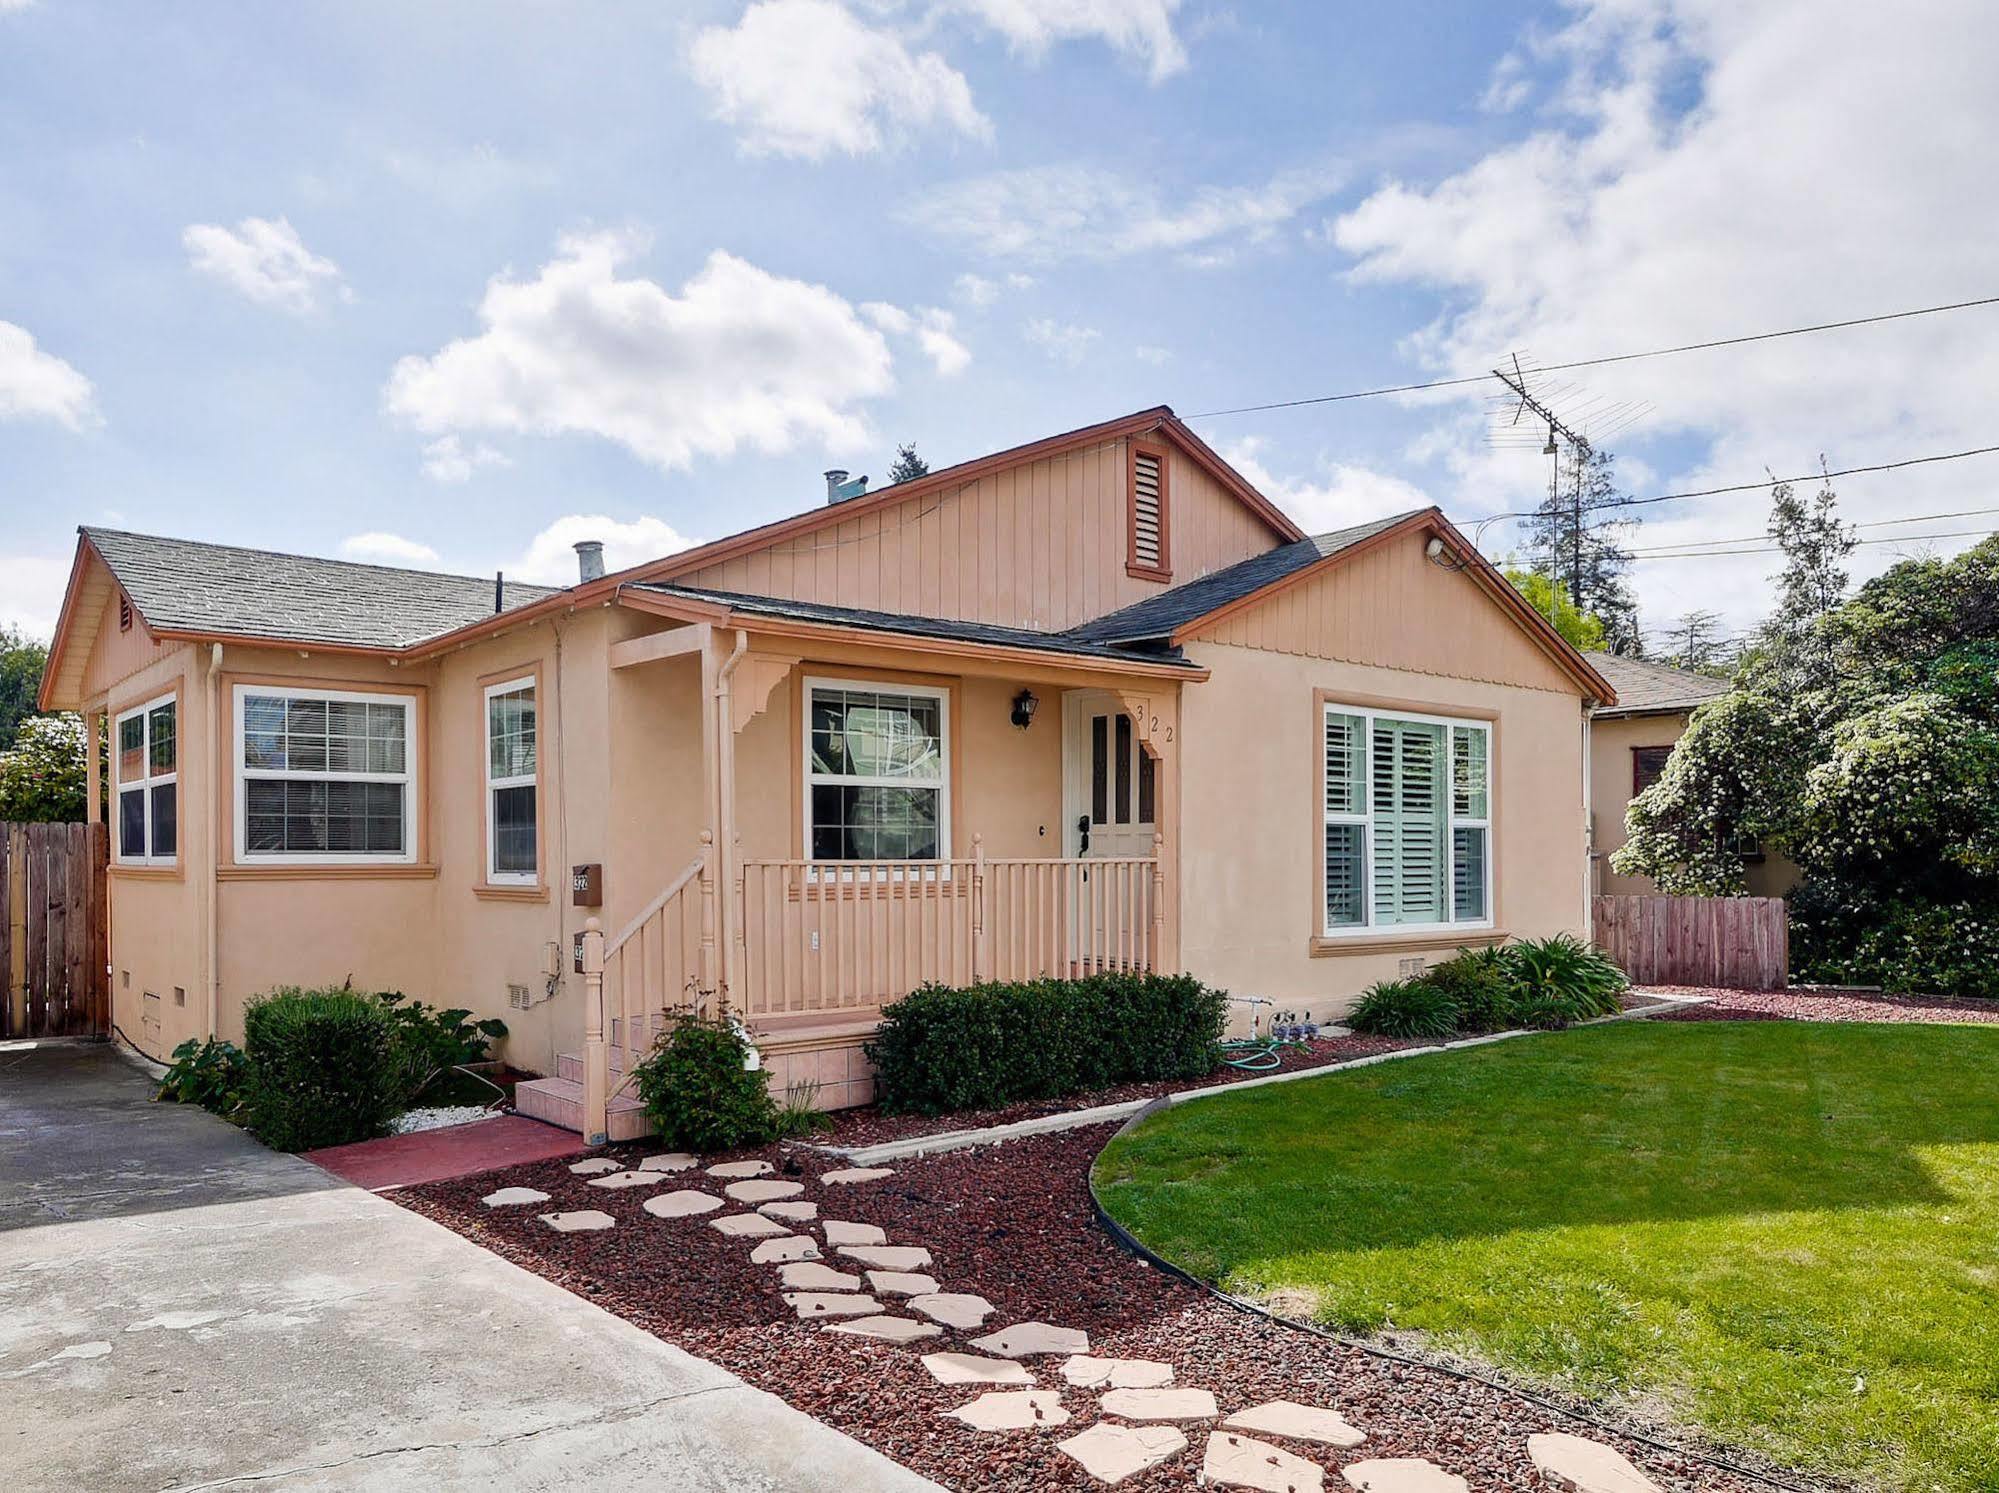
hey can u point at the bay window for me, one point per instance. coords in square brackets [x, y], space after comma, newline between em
[1407, 821]
[323, 776]
[512, 855]
[876, 758]
[148, 783]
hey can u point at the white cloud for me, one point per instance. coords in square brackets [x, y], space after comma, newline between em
[1141, 29]
[807, 78]
[37, 385]
[31, 590]
[379, 548]
[550, 558]
[1064, 341]
[978, 291]
[1629, 219]
[933, 329]
[1146, 352]
[448, 459]
[1342, 495]
[738, 357]
[1043, 214]
[264, 260]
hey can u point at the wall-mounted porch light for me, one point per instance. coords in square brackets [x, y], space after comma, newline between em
[1024, 706]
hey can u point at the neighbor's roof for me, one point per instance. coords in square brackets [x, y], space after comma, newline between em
[1162, 615]
[1646, 688]
[182, 586]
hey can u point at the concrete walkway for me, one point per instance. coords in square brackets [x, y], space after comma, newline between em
[180, 1308]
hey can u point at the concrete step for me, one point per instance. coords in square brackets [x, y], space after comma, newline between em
[569, 1065]
[559, 1101]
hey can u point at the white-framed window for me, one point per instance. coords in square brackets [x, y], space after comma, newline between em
[146, 740]
[512, 810]
[1408, 821]
[324, 777]
[877, 771]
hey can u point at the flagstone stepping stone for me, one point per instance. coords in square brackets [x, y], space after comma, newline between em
[953, 1309]
[680, 1204]
[1579, 1465]
[1086, 1372]
[763, 1192]
[1110, 1454]
[888, 1329]
[1025, 1339]
[838, 1231]
[508, 1197]
[969, 1368]
[830, 1304]
[747, 1226]
[1297, 1422]
[581, 1221]
[669, 1161]
[888, 1256]
[782, 1251]
[741, 1169]
[900, 1283]
[1012, 1410]
[595, 1165]
[1160, 1404]
[629, 1179]
[1402, 1475]
[790, 1212]
[804, 1275]
[855, 1174]
[1240, 1462]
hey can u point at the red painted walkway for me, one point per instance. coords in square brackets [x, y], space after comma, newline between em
[435, 1155]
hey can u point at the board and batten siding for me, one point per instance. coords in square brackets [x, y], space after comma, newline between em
[1043, 545]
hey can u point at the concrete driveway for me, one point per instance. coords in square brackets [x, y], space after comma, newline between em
[180, 1308]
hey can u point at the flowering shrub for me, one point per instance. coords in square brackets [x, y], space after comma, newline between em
[42, 777]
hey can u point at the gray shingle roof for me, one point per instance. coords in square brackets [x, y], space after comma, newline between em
[1159, 616]
[1646, 688]
[925, 627]
[181, 584]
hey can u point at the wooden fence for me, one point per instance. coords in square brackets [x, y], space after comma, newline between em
[52, 936]
[1735, 943]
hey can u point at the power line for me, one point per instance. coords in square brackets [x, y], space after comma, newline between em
[1882, 523]
[1772, 549]
[1657, 352]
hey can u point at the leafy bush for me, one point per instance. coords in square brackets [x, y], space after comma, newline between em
[1481, 985]
[1841, 936]
[212, 1074]
[1565, 972]
[323, 1068]
[697, 1091]
[1415, 1007]
[941, 1049]
[430, 1041]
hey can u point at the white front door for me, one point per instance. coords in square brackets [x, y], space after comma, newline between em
[1110, 808]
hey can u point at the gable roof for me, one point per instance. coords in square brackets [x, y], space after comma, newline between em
[1647, 688]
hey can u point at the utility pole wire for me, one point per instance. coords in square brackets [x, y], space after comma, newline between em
[1657, 352]
[1771, 549]
[1879, 523]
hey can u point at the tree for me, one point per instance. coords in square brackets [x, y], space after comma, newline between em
[908, 466]
[1695, 642]
[1578, 629]
[1815, 545]
[42, 777]
[1572, 540]
[21, 663]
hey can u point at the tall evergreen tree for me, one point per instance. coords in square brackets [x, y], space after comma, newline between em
[908, 466]
[1816, 545]
[1573, 540]
[1696, 642]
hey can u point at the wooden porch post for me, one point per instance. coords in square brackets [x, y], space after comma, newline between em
[596, 1056]
[1156, 954]
[981, 960]
[93, 768]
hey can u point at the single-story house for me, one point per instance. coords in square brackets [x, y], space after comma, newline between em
[1090, 702]
[1630, 741]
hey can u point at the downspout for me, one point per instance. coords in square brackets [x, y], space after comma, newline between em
[559, 777]
[212, 881]
[725, 813]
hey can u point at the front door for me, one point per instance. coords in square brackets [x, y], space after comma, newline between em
[1110, 808]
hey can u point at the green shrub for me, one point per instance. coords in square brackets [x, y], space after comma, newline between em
[698, 1094]
[942, 1049]
[430, 1041]
[1567, 972]
[323, 1068]
[1842, 936]
[1481, 986]
[212, 1074]
[1415, 1007]
[799, 1114]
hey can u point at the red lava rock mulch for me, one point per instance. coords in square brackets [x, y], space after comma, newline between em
[454, 1151]
[1012, 1223]
[868, 1126]
[1824, 1005]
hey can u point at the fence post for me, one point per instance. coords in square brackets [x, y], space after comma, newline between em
[596, 1056]
[708, 980]
[978, 908]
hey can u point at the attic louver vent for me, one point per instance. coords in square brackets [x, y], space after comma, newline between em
[124, 614]
[1148, 513]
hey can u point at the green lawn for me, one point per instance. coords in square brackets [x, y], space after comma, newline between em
[1785, 1234]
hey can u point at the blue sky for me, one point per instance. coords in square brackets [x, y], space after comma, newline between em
[466, 281]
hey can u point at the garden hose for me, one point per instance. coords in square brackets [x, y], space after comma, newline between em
[1252, 1054]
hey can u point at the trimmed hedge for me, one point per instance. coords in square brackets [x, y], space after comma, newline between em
[941, 1049]
[323, 1068]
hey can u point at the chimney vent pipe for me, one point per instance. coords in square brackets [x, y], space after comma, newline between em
[589, 560]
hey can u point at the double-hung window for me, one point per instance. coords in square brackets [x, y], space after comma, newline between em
[324, 777]
[148, 791]
[511, 809]
[876, 763]
[1407, 821]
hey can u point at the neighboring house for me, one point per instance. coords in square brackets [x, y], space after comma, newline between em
[1629, 744]
[1092, 702]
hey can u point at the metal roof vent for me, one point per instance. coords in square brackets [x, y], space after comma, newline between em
[840, 490]
[589, 560]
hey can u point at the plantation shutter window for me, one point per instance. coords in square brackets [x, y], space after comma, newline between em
[512, 852]
[148, 783]
[323, 777]
[1406, 821]
[1149, 554]
[875, 763]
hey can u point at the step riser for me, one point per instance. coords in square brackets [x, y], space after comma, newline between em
[559, 1101]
